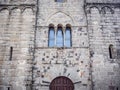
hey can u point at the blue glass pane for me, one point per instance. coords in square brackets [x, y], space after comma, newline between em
[51, 43]
[68, 37]
[67, 34]
[59, 0]
[67, 43]
[51, 37]
[59, 38]
[52, 33]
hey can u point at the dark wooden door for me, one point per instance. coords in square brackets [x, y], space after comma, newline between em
[61, 83]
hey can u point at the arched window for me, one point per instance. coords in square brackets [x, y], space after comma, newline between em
[68, 37]
[111, 52]
[59, 0]
[51, 41]
[59, 38]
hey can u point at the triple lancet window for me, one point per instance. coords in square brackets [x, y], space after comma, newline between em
[59, 0]
[59, 37]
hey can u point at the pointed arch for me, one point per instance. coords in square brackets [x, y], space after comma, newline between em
[57, 15]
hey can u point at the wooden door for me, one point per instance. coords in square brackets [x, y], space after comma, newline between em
[61, 83]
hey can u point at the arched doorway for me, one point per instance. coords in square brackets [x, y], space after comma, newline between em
[61, 83]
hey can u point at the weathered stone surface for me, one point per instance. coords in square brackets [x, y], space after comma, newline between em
[24, 26]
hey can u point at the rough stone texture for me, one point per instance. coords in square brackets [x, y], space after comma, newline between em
[71, 62]
[103, 1]
[17, 31]
[103, 31]
[24, 25]
[51, 63]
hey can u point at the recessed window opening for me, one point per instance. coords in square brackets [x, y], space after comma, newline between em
[111, 52]
[8, 88]
[61, 37]
[11, 53]
[51, 37]
[68, 42]
[117, 88]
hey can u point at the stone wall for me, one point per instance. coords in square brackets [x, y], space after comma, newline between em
[17, 2]
[103, 1]
[24, 26]
[103, 27]
[70, 62]
[17, 31]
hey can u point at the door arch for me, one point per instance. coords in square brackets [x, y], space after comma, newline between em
[61, 83]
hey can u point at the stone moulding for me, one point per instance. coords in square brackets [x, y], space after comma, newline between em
[22, 7]
[102, 7]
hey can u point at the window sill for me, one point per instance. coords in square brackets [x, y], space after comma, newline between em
[54, 47]
[59, 47]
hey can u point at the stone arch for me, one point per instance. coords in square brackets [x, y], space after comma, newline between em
[27, 18]
[15, 9]
[4, 8]
[61, 83]
[5, 13]
[60, 25]
[4, 16]
[60, 17]
[14, 21]
[95, 8]
[68, 25]
[106, 9]
[95, 15]
[51, 25]
[95, 21]
[28, 7]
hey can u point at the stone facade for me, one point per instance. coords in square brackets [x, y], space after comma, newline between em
[26, 61]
